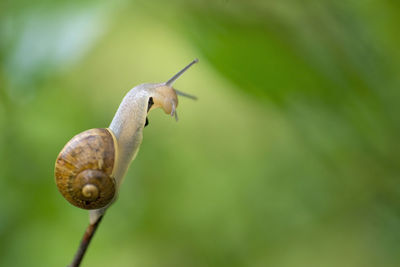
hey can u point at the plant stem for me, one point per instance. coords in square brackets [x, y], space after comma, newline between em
[87, 237]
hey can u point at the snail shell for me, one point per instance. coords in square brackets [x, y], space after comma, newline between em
[84, 169]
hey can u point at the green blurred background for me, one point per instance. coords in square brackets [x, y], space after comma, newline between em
[289, 158]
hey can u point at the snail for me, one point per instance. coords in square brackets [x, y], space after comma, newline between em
[91, 166]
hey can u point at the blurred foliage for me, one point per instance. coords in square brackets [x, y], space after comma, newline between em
[289, 158]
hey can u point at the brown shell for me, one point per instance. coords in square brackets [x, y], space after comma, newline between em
[84, 167]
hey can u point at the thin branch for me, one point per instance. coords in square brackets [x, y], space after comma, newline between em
[87, 237]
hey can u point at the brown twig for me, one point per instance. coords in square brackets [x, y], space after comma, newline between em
[87, 237]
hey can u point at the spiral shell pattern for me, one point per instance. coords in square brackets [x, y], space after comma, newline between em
[83, 170]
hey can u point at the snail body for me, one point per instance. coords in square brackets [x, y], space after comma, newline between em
[90, 168]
